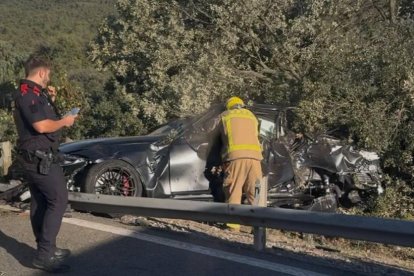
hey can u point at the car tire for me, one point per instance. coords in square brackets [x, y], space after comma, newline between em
[113, 177]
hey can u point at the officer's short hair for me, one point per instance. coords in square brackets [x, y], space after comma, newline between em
[34, 62]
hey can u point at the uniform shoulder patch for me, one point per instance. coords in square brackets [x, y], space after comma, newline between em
[24, 88]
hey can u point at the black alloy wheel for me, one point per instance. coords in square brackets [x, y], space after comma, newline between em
[113, 177]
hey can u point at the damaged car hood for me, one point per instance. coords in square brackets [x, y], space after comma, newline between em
[96, 148]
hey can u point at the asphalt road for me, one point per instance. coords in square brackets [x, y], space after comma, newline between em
[101, 246]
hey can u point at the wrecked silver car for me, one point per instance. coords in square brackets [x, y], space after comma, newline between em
[180, 160]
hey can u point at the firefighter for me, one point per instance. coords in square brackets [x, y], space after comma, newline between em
[39, 126]
[241, 153]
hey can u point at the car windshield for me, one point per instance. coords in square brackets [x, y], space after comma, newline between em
[204, 121]
[196, 123]
[168, 127]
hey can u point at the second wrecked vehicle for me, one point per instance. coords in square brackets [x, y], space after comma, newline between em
[180, 160]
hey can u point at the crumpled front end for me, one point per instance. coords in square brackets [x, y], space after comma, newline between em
[72, 165]
[353, 175]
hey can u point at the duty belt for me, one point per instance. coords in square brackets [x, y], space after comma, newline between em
[37, 155]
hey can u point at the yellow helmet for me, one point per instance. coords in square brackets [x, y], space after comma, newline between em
[234, 101]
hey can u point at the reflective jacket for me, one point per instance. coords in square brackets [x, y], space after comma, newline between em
[239, 133]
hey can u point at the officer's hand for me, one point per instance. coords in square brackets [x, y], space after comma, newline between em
[69, 120]
[52, 92]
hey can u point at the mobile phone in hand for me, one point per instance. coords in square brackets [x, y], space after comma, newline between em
[74, 111]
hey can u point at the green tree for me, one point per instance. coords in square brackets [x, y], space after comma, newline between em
[406, 8]
[179, 56]
[112, 113]
[10, 62]
[10, 67]
[164, 57]
[7, 128]
[61, 30]
[345, 63]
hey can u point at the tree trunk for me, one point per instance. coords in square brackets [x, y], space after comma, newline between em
[393, 10]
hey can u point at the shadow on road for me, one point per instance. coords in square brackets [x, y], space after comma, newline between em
[130, 256]
[20, 251]
[120, 255]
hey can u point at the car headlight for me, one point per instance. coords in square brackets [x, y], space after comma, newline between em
[70, 160]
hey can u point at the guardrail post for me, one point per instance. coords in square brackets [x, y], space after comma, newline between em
[5, 156]
[261, 200]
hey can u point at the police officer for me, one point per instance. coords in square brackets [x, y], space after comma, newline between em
[241, 153]
[39, 126]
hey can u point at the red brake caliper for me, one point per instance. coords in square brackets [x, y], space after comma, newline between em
[125, 185]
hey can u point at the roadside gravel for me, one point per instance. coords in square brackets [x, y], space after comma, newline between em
[366, 257]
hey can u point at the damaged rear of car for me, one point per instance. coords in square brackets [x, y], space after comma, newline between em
[318, 173]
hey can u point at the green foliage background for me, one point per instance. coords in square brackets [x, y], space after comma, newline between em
[344, 63]
[61, 30]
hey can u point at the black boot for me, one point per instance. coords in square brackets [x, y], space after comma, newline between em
[61, 253]
[50, 264]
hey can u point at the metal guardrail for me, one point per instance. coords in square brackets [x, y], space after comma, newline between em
[386, 231]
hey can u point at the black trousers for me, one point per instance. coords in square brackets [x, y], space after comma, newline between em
[49, 199]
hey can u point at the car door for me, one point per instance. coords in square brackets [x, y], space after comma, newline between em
[193, 154]
[187, 168]
[276, 159]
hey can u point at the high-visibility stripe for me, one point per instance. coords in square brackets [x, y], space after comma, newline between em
[246, 147]
[247, 116]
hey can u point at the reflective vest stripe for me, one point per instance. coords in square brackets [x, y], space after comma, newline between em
[246, 147]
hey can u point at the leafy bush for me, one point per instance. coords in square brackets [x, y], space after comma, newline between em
[345, 63]
[7, 128]
[397, 202]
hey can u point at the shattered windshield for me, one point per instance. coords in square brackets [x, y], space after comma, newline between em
[203, 128]
[168, 128]
[194, 128]
[205, 121]
[170, 131]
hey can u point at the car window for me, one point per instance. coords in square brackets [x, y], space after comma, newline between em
[267, 127]
[174, 126]
[203, 129]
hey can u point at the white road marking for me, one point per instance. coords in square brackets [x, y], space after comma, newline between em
[193, 248]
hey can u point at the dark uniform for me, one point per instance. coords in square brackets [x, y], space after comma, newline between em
[49, 195]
